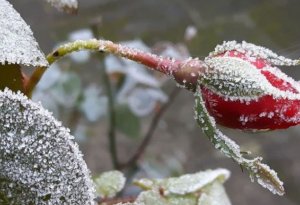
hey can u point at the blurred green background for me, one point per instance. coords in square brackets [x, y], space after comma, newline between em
[178, 144]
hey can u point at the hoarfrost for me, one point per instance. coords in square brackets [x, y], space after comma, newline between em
[18, 45]
[190, 183]
[40, 163]
[258, 171]
[110, 183]
[82, 34]
[254, 50]
[238, 79]
[202, 188]
[66, 5]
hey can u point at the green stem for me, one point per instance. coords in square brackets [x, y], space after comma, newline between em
[164, 65]
[54, 56]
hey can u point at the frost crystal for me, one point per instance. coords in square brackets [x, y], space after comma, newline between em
[202, 188]
[18, 45]
[238, 79]
[258, 171]
[254, 50]
[66, 5]
[40, 163]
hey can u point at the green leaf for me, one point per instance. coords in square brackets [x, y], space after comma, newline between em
[127, 122]
[110, 183]
[11, 77]
[202, 188]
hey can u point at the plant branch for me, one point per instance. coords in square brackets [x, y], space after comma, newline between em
[111, 109]
[112, 121]
[116, 201]
[164, 65]
[149, 134]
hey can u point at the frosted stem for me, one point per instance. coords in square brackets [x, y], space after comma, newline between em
[164, 65]
[257, 170]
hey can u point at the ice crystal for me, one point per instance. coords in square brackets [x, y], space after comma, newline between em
[40, 163]
[66, 5]
[18, 45]
[237, 79]
[253, 50]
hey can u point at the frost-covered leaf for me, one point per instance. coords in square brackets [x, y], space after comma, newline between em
[258, 51]
[69, 6]
[214, 194]
[262, 173]
[17, 45]
[235, 78]
[268, 178]
[110, 183]
[186, 184]
[190, 183]
[202, 188]
[40, 163]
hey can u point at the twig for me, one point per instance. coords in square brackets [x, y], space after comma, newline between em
[52, 57]
[164, 65]
[116, 201]
[111, 109]
[112, 121]
[142, 147]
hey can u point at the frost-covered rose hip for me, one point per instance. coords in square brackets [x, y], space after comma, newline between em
[237, 85]
[240, 82]
[243, 88]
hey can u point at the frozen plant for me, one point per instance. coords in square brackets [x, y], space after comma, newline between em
[238, 78]
[239, 85]
[40, 163]
[202, 188]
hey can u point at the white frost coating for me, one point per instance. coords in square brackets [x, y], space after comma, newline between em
[17, 45]
[255, 51]
[64, 4]
[202, 188]
[110, 183]
[262, 173]
[190, 183]
[240, 80]
[265, 182]
[215, 195]
[40, 163]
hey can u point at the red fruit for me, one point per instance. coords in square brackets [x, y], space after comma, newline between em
[243, 88]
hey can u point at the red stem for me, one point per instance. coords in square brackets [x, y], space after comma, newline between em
[164, 65]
